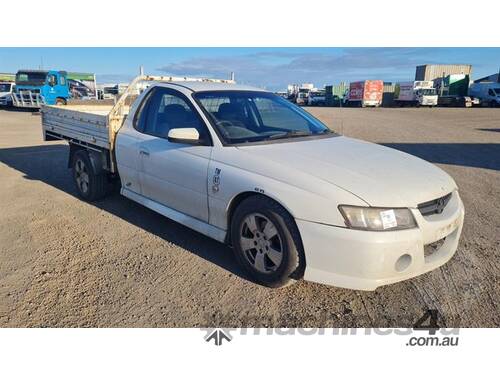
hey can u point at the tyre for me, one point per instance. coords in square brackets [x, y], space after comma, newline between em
[60, 101]
[91, 186]
[266, 242]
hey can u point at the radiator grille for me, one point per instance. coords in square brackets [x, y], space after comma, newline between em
[435, 206]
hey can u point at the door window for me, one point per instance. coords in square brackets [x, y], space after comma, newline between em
[491, 93]
[52, 80]
[164, 110]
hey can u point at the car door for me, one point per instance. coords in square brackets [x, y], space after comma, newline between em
[170, 173]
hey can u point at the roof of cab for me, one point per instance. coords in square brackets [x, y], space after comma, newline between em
[209, 86]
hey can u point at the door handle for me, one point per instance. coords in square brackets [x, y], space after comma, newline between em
[144, 152]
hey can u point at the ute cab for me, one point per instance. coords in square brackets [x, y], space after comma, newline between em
[6, 89]
[37, 87]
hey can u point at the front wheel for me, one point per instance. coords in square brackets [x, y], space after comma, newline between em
[266, 242]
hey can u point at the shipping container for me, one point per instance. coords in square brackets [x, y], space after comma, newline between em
[430, 72]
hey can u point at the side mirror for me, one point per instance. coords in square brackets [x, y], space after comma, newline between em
[184, 135]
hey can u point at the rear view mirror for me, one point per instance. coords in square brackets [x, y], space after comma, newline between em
[184, 135]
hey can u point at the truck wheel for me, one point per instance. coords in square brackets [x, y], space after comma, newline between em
[60, 101]
[266, 242]
[90, 186]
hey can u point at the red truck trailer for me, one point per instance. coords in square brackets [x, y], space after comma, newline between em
[366, 93]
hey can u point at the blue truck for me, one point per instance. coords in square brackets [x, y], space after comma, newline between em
[37, 87]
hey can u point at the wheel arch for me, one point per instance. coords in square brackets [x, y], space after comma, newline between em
[95, 157]
[240, 197]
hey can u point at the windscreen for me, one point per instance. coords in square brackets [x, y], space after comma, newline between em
[429, 91]
[31, 78]
[497, 91]
[248, 116]
[5, 87]
[317, 94]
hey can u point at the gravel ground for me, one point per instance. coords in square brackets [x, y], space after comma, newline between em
[67, 263]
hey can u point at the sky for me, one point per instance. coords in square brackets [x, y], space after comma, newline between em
[271, 68]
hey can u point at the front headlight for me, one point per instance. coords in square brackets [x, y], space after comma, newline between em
[378, 219]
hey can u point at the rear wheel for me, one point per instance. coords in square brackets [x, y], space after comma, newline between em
[266, 242]
[91, 186]
[60, 101]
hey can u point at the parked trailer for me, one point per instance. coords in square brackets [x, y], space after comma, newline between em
[453, 91]
[416, 93]
[366, 93]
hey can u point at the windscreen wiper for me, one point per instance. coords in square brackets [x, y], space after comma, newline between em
[295, 133]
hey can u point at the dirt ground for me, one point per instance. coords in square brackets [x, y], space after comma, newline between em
[67, 263]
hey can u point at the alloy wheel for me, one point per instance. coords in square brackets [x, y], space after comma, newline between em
[82, 176]
[261, 243]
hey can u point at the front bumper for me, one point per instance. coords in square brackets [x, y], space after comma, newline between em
[5, 101]
[371, 103]
[365, 260]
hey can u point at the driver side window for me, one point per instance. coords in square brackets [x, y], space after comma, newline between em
[164, 110]
[52, 80]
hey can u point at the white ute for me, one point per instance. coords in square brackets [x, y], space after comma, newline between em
[246, 167]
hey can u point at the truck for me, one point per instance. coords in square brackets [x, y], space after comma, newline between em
[317, 98]
[415, 93]
[488, 93]
[335, 94]
[37, 87]
[365, 93]
[302, 97]
[243, 166]
[6, 89]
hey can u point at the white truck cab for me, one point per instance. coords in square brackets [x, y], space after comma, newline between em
[426, 96]
[247, 167]
[6, 90]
